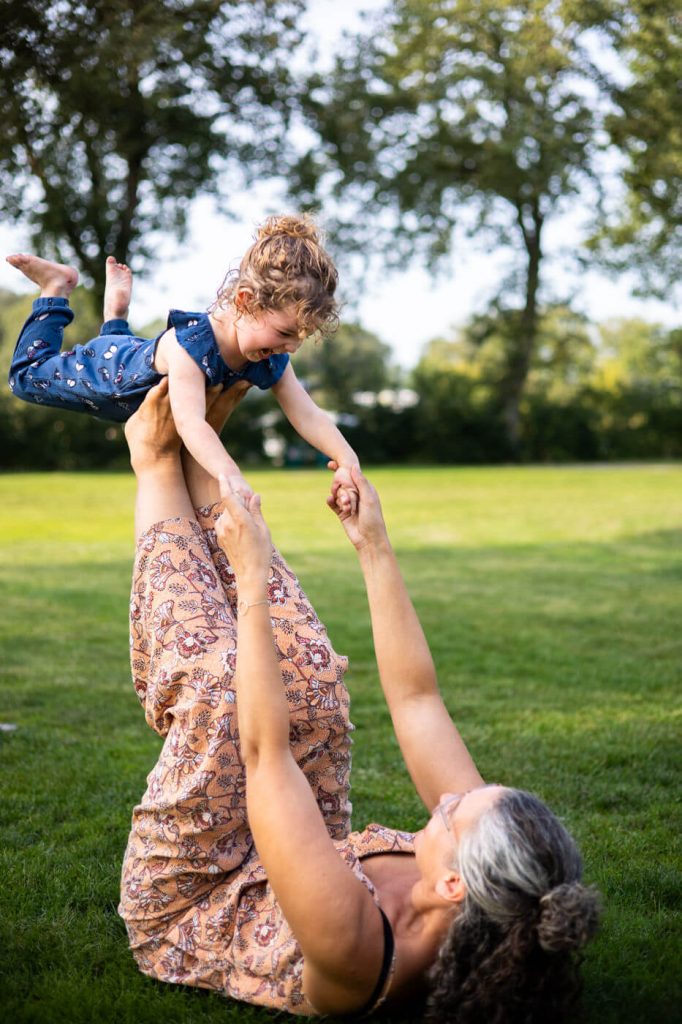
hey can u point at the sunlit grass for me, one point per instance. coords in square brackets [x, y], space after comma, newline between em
[551, 600]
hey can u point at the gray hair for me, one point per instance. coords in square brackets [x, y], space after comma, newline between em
[519, 863]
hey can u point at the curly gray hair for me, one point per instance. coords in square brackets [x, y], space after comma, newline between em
[508, 955]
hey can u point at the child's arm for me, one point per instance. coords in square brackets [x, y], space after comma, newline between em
[187, 392]
[313, 424]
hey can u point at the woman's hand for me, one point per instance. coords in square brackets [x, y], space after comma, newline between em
[364, 525]
[244, 536]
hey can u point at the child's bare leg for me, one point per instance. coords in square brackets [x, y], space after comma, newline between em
[155, 457]
[117, 291]
[220, 405]
[55, 280]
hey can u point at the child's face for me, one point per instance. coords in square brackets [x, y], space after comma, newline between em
[270, 333]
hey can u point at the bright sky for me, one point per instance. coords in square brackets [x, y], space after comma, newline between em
[405, 309]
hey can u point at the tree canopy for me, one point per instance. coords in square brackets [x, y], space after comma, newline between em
[644, 232]
[452, 106]
[117, 113]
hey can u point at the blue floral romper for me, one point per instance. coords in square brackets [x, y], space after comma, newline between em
[109, 376]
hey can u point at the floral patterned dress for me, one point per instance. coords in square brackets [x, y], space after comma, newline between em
[194, 895]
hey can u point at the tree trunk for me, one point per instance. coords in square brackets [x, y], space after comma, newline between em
[522, 344]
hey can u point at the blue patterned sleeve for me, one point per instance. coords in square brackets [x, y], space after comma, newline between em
[194, 333]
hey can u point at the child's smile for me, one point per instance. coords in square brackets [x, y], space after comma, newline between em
[271, 333]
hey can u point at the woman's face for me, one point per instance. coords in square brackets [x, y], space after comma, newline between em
[436, 846]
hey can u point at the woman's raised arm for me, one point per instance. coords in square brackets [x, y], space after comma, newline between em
[434, 752]
[329, 910]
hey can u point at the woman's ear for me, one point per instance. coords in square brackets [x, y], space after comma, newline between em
[450, 887]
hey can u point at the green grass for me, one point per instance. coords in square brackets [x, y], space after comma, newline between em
[551, 600]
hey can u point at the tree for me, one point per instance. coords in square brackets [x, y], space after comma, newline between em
[337, 368]
[351, 376]
[642, 231]
[116, 113]
[455, 104]
[563, 358]
[458, 382]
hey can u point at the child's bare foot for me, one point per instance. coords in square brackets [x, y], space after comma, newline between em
[118, 289]
[150, 432]
[55, 280]
[221, 404]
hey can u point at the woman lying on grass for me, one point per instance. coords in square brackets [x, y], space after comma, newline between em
[242, 874]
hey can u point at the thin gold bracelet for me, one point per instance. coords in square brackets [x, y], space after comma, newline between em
[243, 605]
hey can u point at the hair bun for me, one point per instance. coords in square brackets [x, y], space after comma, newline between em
[569, 915]
[295, 225]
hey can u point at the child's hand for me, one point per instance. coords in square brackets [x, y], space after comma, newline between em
[244, 536]
[344, 491]
[238, 485]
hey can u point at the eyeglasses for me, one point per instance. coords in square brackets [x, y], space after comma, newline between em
[447, 807]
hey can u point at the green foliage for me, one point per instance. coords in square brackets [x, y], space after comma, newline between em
[351, 361]
[607, 392]
[471, 104]
[340, 373]
[115, 114]
[551, 600]
[644, 232]
[455, 101]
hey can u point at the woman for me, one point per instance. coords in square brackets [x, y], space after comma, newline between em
[241, 873]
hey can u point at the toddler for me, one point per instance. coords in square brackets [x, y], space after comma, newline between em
[282, 293]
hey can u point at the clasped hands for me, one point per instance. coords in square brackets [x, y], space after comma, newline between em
[343, 489]
[244, 535]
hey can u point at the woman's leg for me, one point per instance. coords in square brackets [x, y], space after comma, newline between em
[190, 829]
[203, 488]
[155, 457]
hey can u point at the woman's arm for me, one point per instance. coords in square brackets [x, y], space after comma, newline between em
[434, 752]
[330, 912]
[311, 422]
[187, 392]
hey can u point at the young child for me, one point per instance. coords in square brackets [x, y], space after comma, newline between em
[282, 293]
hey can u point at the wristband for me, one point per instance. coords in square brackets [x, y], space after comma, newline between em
[243, 605]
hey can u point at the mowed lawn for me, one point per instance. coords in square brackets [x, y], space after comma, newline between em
[551, 598]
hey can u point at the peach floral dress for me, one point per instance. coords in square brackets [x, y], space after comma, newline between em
[194, 895]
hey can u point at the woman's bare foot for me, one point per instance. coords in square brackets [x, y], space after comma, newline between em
[118, 289]
[221, 404]
[150, 432]
[55, 280]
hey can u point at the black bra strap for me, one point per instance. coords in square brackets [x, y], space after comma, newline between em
[389, 947]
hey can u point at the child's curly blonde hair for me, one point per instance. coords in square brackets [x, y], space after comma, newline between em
[286, 265]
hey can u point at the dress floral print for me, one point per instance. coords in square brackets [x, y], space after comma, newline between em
[194, 896]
